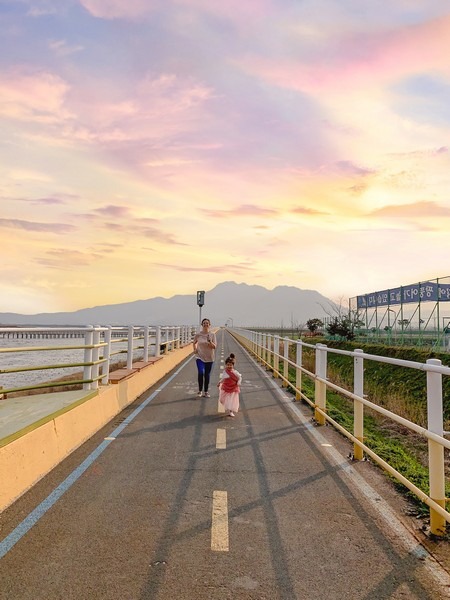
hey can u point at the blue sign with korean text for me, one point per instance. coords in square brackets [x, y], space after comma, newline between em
[428, 291]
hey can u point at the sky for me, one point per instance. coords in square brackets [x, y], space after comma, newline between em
[159, 147]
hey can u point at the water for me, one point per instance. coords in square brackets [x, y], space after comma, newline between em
[48, 357]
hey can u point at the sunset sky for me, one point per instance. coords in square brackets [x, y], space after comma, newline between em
[159, 147]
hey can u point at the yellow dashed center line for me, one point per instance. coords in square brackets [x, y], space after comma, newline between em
[219, 529]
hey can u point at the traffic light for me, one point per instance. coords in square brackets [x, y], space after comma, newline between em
[200, 298]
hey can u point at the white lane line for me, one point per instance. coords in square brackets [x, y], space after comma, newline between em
[221, 439]
[219, 528]
[220, 407]
[109, 438]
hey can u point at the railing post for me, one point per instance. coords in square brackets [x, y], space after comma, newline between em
[146, 340]
[358, 407]
[95, 357]
[269, 351]
[158, 341]
[298, 371]
[107, 355]
[320, 388]
[87, 370]
[285, 362]
[263, 349]
[435, 450]
[130, 347]
[276, 356]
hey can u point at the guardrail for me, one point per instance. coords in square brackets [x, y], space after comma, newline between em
[266, 348]
[98, 347]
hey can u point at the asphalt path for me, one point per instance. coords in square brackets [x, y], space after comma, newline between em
[175, 500]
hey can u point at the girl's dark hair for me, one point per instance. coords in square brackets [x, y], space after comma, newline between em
[230, 359]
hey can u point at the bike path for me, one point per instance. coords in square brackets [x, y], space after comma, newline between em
[175, 500]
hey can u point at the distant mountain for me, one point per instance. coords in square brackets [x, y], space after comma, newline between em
[238, 304]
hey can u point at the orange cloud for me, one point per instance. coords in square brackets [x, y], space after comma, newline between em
[244, 210]
[416, 209]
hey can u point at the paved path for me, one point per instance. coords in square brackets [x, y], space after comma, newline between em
[173, 500]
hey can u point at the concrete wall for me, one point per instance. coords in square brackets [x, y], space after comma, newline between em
[27, 459]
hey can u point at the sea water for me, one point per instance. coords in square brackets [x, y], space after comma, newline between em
[47, 357]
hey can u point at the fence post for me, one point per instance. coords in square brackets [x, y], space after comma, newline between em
[107, 355]
[95, 357]
[87, 370]
[130, 347]
[320, 388]
[276, 355]
[285, 362]
[298, 371]
[146, 339]
[435, 450]
[158, 341]
[265, 355]
[358, 407]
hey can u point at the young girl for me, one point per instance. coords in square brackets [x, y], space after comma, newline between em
[229, 385]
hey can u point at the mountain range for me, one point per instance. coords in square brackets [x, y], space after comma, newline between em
[235, 304]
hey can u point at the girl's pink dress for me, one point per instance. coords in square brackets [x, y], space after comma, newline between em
[229, 389]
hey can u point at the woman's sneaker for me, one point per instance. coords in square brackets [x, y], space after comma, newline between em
[206, 395]
[199, 394]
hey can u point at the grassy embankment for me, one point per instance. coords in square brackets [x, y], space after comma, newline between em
[398, 389]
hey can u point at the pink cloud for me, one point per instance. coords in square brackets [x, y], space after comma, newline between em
[156, 108]
[34, 96]
[361, 60]
[59, 228]
[113, 211]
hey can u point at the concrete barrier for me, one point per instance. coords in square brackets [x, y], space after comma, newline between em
[25, 460]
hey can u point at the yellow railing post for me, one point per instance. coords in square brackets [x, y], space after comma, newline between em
[320, 388]
[285, 362]
[298, 371]
[263, 349]
[358, 407]
[436, 450]
[276, 356]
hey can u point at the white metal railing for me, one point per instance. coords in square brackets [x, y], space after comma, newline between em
[99, 347]
[266, 348]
